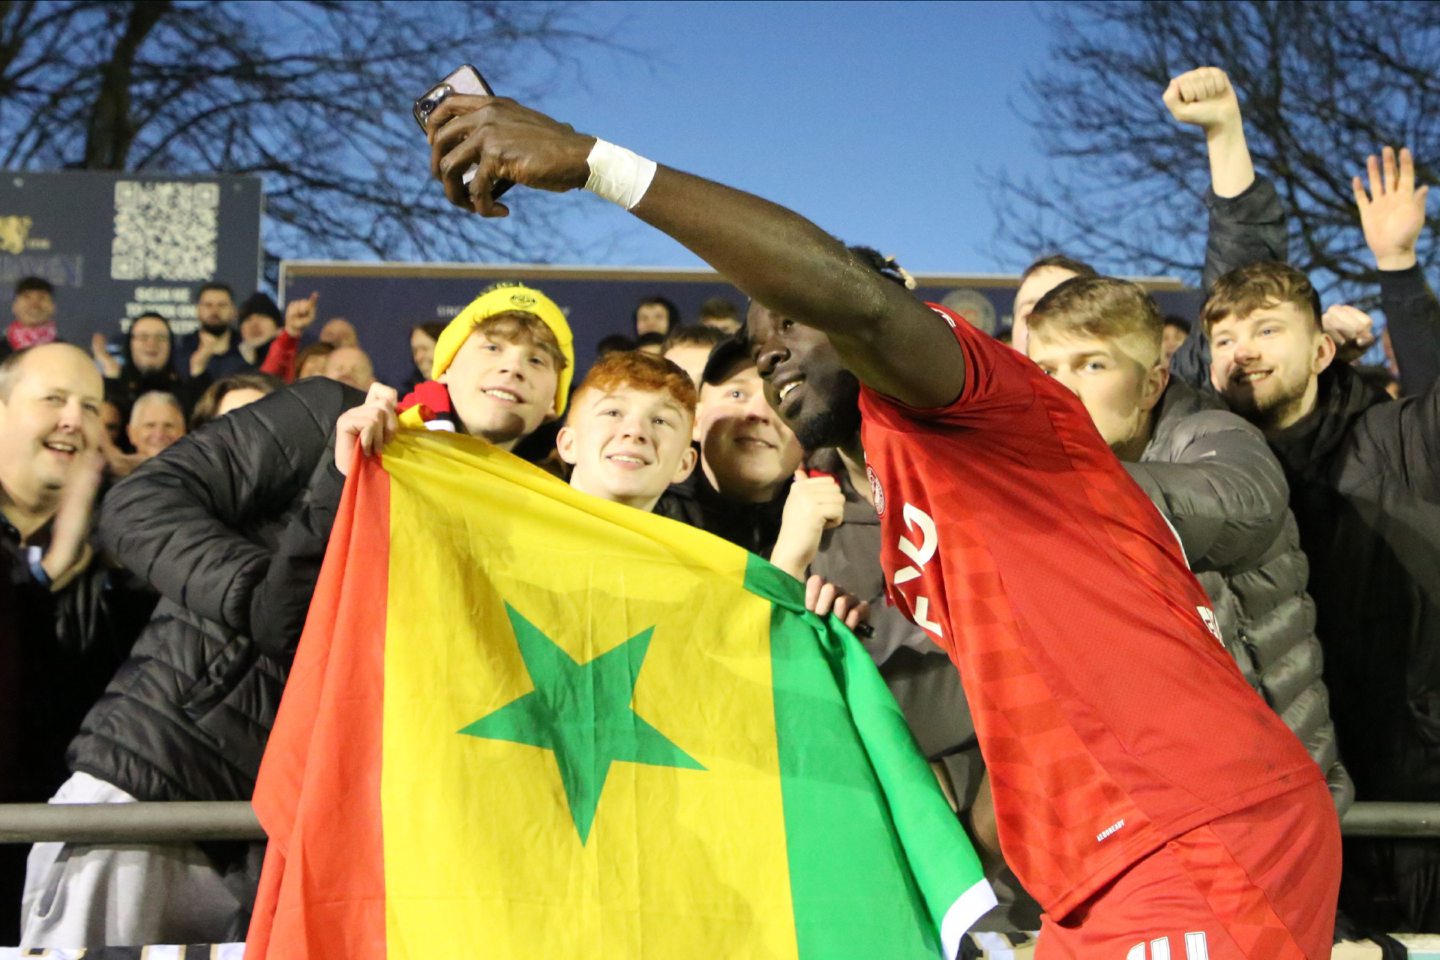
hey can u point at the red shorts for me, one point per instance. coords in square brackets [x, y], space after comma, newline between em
[1259, 883]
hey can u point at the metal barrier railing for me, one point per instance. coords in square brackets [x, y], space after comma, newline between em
[1382, 819]
[117, 823]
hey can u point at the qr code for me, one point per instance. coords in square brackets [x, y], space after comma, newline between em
[165, 231]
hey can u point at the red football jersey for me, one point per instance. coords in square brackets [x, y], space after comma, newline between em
[1109, 714]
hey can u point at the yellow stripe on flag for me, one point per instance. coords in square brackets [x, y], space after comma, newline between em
[482, 849]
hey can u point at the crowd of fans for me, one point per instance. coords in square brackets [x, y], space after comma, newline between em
[154, 590]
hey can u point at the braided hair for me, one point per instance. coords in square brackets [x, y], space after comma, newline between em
[887, 267]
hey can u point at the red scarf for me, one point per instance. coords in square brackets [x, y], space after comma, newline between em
[431, 403]
[21, 336]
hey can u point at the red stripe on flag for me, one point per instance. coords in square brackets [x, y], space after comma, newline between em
[322, 892]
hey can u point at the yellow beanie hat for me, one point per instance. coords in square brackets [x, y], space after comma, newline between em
[503, 299]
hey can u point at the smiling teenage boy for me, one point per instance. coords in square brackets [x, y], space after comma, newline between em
[627, 437]
[747, 456]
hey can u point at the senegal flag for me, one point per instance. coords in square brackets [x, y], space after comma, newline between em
[524, 722]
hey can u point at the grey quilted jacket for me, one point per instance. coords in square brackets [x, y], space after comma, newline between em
[1213, 475]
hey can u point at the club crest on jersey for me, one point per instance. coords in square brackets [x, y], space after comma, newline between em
[877, 492]
[1213, 625]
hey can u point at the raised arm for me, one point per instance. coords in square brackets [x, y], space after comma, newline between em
[1247, 222]
[1405, 433]
[1392, 214]
[1204, 98]
[776, 256]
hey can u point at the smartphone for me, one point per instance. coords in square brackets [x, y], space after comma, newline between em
[466, 80]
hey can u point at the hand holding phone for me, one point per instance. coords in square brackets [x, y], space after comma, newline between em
[464, 80]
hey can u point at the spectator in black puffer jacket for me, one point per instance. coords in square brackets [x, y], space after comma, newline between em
[1215, 479]
[230, 525]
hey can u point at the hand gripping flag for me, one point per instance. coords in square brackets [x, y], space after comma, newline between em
[525, 722]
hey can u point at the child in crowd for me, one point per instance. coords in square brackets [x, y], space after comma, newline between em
[627, 437]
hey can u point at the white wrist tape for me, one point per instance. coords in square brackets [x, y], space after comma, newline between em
[618, 175]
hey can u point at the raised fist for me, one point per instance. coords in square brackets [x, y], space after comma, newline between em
[1204, 98]
[1352, 329]
[299, 314]
[813, 505]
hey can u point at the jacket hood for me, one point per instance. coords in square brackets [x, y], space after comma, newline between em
[1306, 447]
[163, 379]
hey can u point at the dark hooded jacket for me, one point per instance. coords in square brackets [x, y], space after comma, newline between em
[133, 383]
[754, 526]
[1212, 474]
[223, 524]
[1364, 474]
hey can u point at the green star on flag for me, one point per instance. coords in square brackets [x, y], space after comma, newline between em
[582, 712]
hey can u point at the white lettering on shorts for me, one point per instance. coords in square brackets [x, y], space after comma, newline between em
[1159, 949]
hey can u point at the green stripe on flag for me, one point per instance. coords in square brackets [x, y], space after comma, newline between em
[878, 861]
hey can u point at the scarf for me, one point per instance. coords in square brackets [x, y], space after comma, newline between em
[21, 336]
[428, 406]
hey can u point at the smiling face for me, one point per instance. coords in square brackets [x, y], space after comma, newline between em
[1266, 364]
[422, 351]
[627, 444]
[150, 344]
[502, 390]
[50, 416]
[805, 382]
[746, 450]
[33, 308]
[1111, 377]
[155, 423]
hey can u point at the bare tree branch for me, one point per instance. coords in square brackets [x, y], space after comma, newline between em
[1322, 84]
[313, 96]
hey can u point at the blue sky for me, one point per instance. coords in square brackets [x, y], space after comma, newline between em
[873, 119]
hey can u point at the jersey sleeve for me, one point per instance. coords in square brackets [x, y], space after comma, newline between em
[999, 382]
